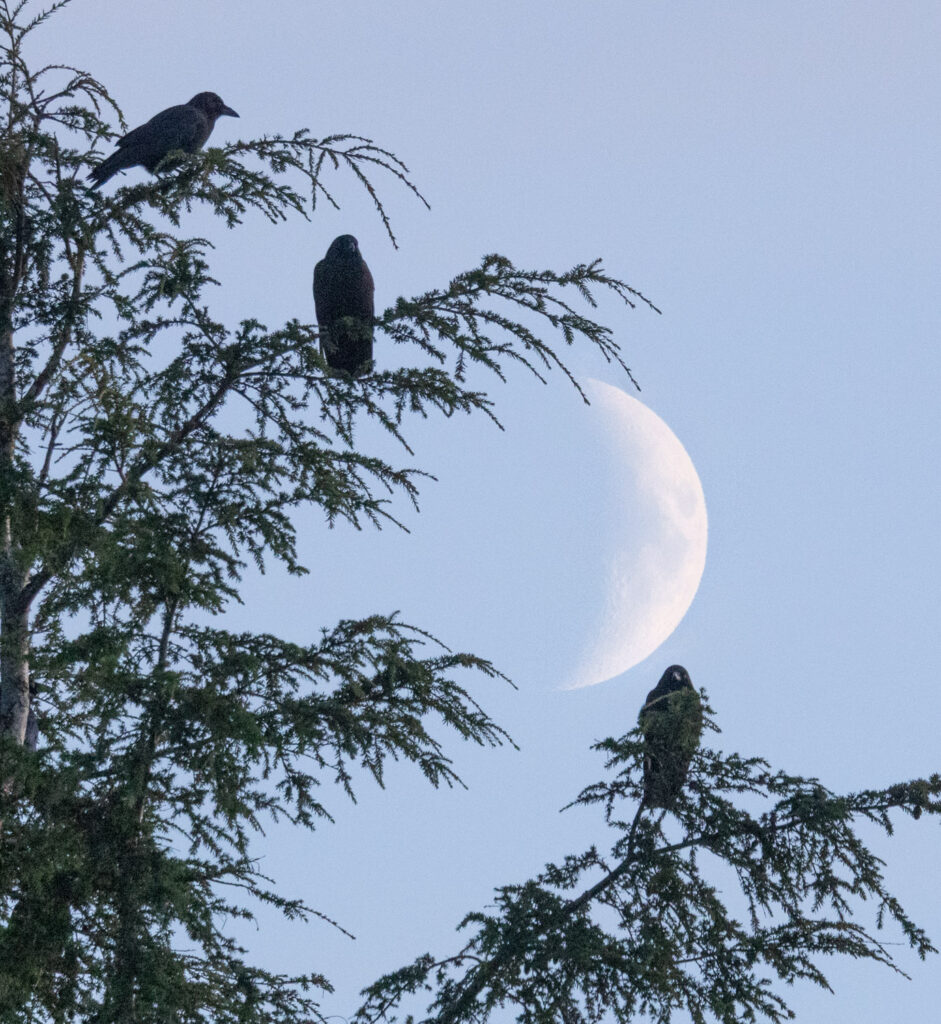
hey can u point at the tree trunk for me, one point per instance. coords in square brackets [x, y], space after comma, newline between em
[14, 615]
[14, 665]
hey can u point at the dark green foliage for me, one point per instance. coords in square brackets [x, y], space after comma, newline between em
[646, 932]
[148, 452]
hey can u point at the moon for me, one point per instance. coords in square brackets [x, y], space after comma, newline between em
[656, 532]
[565, 549]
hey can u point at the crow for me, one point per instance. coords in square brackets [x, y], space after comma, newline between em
[343, 299]
[671, 721]
[186, 126]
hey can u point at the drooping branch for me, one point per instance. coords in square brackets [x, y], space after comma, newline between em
[223, 178]
[676, 946]
[480, 314]
[280, 374]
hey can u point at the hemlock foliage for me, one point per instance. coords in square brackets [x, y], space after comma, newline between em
[644, 931]
[149, 452]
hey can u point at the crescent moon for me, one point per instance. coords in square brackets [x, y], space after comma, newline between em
[657, 530]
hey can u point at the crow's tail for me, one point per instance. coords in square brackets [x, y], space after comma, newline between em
[109, 168]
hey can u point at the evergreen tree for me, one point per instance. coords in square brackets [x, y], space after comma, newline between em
[645, 932]
[150, 451]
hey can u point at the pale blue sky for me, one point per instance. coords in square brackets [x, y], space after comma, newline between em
[769, 176]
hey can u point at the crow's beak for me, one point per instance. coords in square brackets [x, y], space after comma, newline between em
[229, 111]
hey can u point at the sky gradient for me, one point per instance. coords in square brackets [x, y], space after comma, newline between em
[768, 176]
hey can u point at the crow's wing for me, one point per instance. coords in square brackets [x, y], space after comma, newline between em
[176, 127]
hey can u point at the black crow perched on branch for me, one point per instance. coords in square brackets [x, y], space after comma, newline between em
[343, 299]
[186, 126]
[671, 721]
